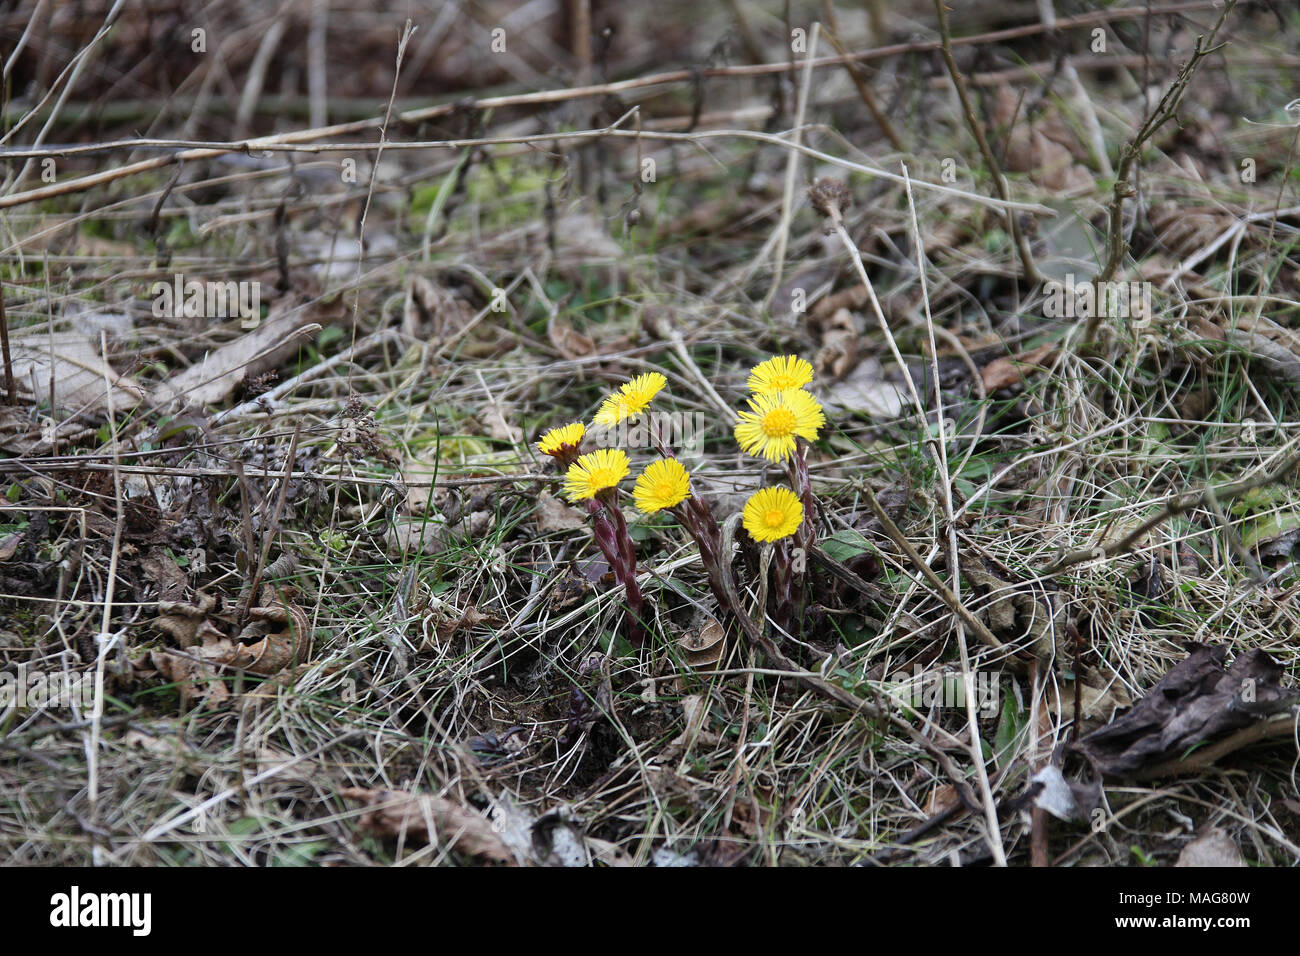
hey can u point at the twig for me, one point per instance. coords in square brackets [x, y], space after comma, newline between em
[558, 96]
[1279, 725]
[257, 74]
[268, 531]
[1116, 244]
[860, 83]
[994, 834]
[11, 389]
[942, 590]
[999, 181]
[104, 640]
[1176, 506]
[317, 75]
[791, 170]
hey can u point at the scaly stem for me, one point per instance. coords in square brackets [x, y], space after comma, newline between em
[610, 531]
[805, 535]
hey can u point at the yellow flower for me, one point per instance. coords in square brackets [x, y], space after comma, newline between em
[631, 398]
[772, 514]
[553, 442]
[779, 374]
[595, 472]
[770, 428]
[663, 484]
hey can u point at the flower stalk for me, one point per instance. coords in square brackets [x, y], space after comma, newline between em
[782, 419]
[609, 530]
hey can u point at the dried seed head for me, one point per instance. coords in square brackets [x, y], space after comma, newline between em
[830, 196]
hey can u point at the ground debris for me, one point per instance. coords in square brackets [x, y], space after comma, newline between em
[1195, 702]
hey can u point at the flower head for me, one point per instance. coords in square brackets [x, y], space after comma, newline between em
[663, 484]
[772, 514]
[779, 374]
[594, 472]
[830, 197]
[555, 441]
[630, 399]
[771, 426]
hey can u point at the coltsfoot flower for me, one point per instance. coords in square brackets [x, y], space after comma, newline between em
[779, 374]
[663, 484]
[775, 420]
[555, 441]
[772, 514]
[630, 399]
[594, 472]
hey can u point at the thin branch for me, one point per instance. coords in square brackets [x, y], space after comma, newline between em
[1030, 272]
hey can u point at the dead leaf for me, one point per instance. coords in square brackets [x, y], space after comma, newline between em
[1211, 848]
[496, 420]
[1046, 148]
[839, 352]
[555, 514]
[9, 545]
[194, 679]
[185, 620]
[704, 648]
[81, 377]
[164, 573]
[451, 624]
[1006, 372]
[285, 638]
[1196, 701]
[568, 341]
[425, 300]
[394, 814]
[1015, 611]
[276, 636]
[23, 432]
[1069, 800]
[569, 588]
[942, 798]
[1273, 346]
[1098, 704]
[280, 335]
[865, 391]
[418, 535]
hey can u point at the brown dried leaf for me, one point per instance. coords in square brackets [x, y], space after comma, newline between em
[1211, 848]
[396, 813]
[704, 647]
[555, 514]
[185, 621]
[162, 571]
[285, 634]
[839, 352]
[80, 374]
[568, 341]
[1046, 149]
[194, 678]
[1196, 701]
[224, 369]
[496, 421]
[1006, 372]
[9, 545]
[21, 433]
[865, 391]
